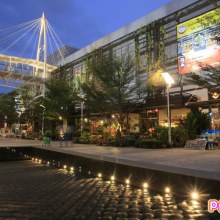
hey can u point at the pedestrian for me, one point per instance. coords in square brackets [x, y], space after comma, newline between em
[61, 136]
[68, 136]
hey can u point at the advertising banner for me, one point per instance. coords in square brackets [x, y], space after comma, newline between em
[197, 43]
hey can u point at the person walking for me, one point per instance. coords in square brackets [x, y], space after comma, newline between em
[61, 136]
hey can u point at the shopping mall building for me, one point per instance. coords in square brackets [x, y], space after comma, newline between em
[176, 35]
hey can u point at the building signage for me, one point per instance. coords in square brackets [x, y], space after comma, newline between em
[197, 43]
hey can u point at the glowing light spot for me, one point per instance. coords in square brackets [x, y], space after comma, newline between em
[112, 178]
[64, 166]
[194, 195]
[127, 181]
[71, 168]
[145, 185]
[99, 175]
[195, 203]
[167, 190]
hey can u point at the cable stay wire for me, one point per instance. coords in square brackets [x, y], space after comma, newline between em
[35, 43]
[4, 30]
[17, 32]
[55, 37]
[30, 39]
[18, 39]
[51, 48]
[29, 32]
[19, 36]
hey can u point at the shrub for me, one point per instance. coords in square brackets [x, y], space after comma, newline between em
[196, 121]
[122, 142]
[85, 138]
[161, 133]
[149, 143]
[179, 136]
[85, 135]
[94, 139]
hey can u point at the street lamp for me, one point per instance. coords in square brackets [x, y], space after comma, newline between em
[169, 81]
[82, 96]
[43, 119]
[5, 123]
[82, 106]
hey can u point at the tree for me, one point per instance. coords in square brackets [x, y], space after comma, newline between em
[113, 86]
[59, 99]
[195, 122]
[7, 110]
[207, 77]
[29, 112]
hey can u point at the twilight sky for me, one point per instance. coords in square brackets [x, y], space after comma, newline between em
[76, 22]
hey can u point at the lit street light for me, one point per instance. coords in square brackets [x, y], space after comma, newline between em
[169, 81]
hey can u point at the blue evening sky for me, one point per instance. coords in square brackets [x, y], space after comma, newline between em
[76, 22]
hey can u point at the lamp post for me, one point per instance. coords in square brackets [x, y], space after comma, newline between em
[169, 81]
[82, 97]
[5, 123]
[81, 127]
[43, 119]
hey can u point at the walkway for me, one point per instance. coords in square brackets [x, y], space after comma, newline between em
[198, 163]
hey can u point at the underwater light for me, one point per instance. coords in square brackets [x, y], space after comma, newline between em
[127, 181]
[112, 178]
[194, 195]
[145, 185]
[167, 190]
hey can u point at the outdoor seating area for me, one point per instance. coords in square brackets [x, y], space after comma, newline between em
[207, 140]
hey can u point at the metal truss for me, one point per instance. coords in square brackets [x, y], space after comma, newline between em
[15, 72]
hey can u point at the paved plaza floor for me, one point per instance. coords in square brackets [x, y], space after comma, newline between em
[198, 163]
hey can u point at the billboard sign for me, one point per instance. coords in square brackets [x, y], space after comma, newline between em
[197, 43]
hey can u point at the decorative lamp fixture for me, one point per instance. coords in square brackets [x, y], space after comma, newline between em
[215, 95]
[168, 79]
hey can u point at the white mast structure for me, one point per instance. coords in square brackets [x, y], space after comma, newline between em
[42, 43]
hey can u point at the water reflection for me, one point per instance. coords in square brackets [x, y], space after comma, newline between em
[61, 191]
[108, 199]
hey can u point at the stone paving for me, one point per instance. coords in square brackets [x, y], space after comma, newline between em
[198, 163]
[29, 190]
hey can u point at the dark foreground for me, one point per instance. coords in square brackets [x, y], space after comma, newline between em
[29, 190]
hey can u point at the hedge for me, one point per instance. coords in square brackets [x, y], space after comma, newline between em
[149, 143]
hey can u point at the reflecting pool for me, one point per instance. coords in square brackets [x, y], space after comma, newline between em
[36, 189]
